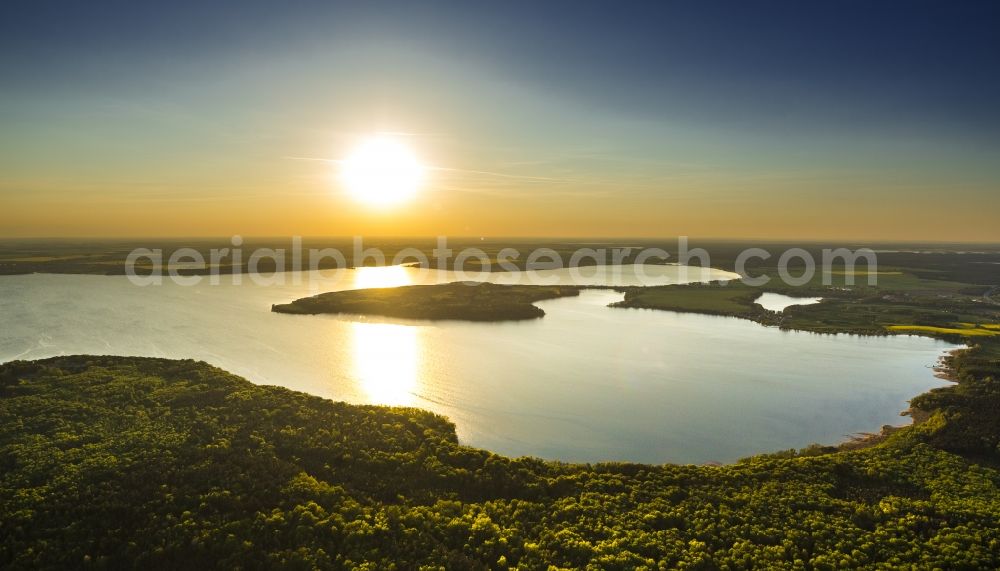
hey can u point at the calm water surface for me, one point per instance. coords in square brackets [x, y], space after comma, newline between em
[585, 383]
[778, 302]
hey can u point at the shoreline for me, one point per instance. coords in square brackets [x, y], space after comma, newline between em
[942, 370]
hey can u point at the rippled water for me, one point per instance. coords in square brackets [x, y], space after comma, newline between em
[584, 383]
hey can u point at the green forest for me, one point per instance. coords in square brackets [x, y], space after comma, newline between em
[109, 462]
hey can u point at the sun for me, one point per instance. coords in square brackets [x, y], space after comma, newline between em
[382, 171]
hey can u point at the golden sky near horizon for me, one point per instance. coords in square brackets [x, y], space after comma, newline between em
[302, 195]
[312, 204]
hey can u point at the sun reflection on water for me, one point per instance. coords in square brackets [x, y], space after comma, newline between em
[386, 361]
[382, 276]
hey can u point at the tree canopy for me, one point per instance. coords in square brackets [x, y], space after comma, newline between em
[153, 463]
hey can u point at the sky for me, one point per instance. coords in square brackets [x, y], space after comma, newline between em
[772, 120]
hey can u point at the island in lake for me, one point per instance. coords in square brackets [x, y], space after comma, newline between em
[466, 301]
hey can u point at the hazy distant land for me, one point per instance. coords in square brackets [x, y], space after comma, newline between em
[966, 263]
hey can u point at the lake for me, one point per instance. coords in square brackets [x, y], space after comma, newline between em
[778, 302]
[584, 383]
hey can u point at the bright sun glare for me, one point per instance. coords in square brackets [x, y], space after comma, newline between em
[382, 171]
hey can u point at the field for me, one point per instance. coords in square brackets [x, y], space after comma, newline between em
[963, 331]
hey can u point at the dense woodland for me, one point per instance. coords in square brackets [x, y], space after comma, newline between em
[109, 461]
